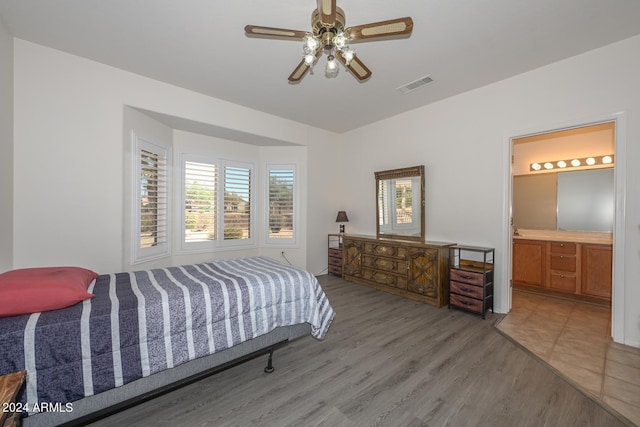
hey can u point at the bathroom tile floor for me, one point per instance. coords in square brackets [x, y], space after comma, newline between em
[574, 339]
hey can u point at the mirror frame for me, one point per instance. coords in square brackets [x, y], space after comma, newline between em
[400, 173]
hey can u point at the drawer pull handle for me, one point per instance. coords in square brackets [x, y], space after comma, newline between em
[561, 256]
[562, 245]
[562, 276]
[465, 290]
[466, 277]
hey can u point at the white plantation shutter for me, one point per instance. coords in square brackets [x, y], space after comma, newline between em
[151, 180]
[383, 208]
[281, 217]
[237, 202]
[200, 202]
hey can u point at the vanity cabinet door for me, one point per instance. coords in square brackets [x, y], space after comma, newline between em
[529, 259]
[596, 270]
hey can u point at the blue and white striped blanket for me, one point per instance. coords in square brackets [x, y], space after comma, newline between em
[143, 322]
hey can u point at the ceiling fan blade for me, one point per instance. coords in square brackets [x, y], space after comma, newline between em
[254, 30]
[393, 27]
[299, 72]
[327, 11]
[357, 68]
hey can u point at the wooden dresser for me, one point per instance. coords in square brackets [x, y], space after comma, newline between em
[415, 270]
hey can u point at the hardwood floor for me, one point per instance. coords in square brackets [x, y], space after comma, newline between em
[386, 361]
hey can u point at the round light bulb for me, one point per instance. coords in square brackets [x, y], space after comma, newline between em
[340, 41]
[607, 160]
[562, 164]
[591, 161]
[548, 165]
[309, 59]
[575, 163]
[331, 63]
[536, 166]
[348, 55]
[310, 44]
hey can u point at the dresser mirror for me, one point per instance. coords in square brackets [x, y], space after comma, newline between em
[400, 203]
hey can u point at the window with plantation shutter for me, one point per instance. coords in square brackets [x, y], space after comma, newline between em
[200, 202]
[383, 204]
[151, 225]
[281, 207]
[237, 202]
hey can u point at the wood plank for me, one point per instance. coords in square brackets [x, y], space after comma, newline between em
[386, 361]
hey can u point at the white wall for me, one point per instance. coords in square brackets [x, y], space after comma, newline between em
[69, 211]
[6, 149]
[464, 143]
[327, 189]
[69, 153]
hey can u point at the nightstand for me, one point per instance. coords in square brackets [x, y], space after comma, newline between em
[10, 385]
[334, 244]
[471, 278]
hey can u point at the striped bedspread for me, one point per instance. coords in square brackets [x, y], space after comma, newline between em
[143, 322]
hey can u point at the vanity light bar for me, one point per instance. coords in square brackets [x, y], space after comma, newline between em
[573, 163]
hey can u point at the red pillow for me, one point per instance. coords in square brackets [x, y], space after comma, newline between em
[31, 290]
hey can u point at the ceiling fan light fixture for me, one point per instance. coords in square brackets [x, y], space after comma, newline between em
[348, 55]
[310, 44]
[330, 36]
[332, 67]
[309, 59]
[340, 41]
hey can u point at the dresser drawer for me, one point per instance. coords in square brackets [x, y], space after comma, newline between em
[466, 303]
[383, 278]
[385, 264]
[563, 248]
[389, 250]
[466, 290]
[563, 263]
[563, 282]
[463, 276]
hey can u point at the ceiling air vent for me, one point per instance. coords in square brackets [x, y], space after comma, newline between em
[409, 87]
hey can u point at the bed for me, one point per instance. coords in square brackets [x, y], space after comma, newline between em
[145, 331]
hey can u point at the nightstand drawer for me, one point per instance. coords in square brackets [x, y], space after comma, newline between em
[466, 303]
[335, 252]
[335, 269]
[463, 276]
[466, 290]
[333, 260]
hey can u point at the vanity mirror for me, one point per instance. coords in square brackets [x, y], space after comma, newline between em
[400, 203]
[568, 201]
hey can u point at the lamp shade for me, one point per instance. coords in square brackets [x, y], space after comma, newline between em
[342, 217]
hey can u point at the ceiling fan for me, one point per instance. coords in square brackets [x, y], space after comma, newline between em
[330, 36]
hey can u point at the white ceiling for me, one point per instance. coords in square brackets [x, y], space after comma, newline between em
[201, 45]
